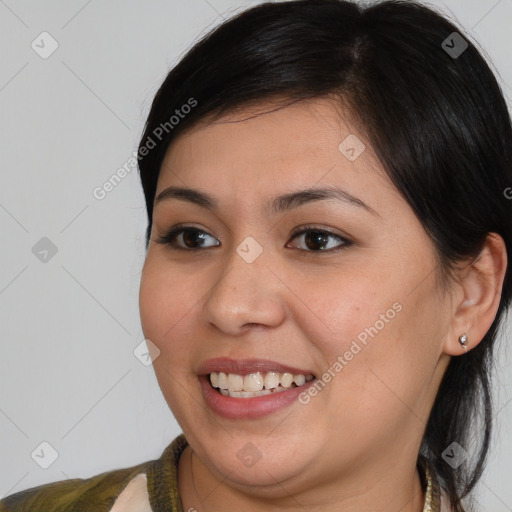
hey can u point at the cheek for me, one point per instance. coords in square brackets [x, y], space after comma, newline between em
[377, 343]
[350, 308]
[166, 300]
[388, 358]
[166, 303]
[166, 296]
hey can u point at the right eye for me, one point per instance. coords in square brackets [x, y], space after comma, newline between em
[187, 234]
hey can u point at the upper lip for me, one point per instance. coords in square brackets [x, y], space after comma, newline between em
[246, 366]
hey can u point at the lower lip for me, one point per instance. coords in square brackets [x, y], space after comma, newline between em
[238, 408]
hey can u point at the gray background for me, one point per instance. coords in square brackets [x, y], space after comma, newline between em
[69, 326]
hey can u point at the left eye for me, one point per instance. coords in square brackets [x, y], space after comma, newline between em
[318, 237]
[191, 237]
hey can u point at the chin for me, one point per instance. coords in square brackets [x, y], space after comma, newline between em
[257, 460]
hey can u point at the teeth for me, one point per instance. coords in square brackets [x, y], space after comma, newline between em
[299, 379]
[271, 380]
[223, 380]
[286, 380]
[245, 394]
[253, 382]
[235, 382]
[256, 384]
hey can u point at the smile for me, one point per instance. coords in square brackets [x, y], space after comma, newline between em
[256, 384]
[251, 388]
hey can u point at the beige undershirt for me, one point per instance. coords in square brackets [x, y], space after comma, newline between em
[134, 498]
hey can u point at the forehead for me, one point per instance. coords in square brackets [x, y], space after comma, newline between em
[309, 125]
[266, 149]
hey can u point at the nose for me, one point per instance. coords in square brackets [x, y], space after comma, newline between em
[245, 295]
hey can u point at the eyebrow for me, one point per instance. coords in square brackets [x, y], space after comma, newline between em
[279, 204]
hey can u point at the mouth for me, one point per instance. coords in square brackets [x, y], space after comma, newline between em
[256, 384]
[238, 389]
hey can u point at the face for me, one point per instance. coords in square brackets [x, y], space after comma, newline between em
[341, 288]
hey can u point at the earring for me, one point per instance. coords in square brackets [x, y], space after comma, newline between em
[463, 340]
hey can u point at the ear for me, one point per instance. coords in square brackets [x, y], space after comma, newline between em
[477, 296]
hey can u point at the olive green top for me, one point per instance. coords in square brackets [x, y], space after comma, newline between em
[99, 493]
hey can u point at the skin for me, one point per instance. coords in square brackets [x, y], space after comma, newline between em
[354, 446]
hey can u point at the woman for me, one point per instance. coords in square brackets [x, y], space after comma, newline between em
[326, 267]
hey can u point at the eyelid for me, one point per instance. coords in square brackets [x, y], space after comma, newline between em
[312, 227]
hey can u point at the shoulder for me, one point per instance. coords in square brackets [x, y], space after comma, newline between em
[122, 490]
[97, 493]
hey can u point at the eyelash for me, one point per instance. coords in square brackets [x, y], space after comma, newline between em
[170, 238]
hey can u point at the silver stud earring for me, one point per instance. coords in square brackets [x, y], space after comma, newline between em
[463, 340]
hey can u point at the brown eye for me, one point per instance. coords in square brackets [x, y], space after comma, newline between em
[316, 240]
[191, 238]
